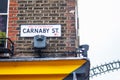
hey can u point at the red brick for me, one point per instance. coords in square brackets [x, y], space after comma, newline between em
[13, 24]
[11, 28]
[15, 18]
[12, 33]
[71, 3]
[13, 11]
[13, 38]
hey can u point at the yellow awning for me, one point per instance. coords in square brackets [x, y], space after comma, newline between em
[39, 69]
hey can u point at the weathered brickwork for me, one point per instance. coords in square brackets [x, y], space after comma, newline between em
[43, 12]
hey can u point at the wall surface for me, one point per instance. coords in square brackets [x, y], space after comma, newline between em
[43, 12]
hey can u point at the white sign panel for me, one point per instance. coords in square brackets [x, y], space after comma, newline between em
[46, 30]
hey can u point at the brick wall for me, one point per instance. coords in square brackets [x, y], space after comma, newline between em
[43, 12]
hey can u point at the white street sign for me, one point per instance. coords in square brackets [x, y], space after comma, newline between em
[46, 30]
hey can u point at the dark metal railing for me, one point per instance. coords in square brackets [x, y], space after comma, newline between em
[6, 46]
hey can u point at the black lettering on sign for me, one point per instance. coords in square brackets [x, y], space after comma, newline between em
[24, 30]
[35, 30]
[55, 30]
